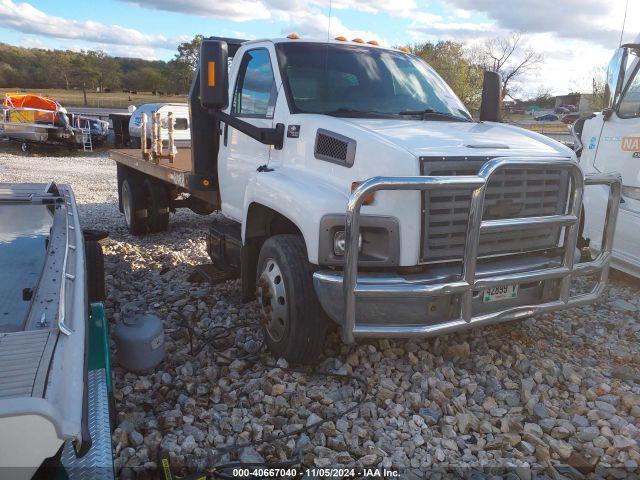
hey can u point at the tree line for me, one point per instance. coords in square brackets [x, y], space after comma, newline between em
[91, 70]
[460, 65]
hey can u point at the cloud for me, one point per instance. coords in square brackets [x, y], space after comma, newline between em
[242, 10]
[396, 8]
[25, 18]
[315, 25]
[458, 31]
[237, 10]
[596, 21]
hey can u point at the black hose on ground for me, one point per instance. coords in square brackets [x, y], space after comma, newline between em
[224, 470]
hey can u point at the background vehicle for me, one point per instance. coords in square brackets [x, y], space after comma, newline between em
[97, 129]
[570, 107]
[180, 122]
[33, 119]
[356, 186]
[569, 118]
[610, 141]
[549, 117]
[560, 110]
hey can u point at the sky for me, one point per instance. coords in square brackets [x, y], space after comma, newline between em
[575, 36]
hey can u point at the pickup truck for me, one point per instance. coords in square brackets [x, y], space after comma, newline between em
[357, 189]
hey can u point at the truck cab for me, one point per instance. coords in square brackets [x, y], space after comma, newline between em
[610, 141]
[358, 190]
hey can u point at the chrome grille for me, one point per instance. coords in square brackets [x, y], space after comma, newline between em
[510, 193]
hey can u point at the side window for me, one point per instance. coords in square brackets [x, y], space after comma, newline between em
[255, 92]
[181, 124]
[630, 103]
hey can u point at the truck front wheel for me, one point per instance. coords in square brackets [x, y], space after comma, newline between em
[294, 324]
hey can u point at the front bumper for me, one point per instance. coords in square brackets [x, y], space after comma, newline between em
[392, 305]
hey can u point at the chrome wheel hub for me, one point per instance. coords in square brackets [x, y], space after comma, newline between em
[273, 300]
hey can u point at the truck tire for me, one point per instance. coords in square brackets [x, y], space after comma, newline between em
[294, 323]
[134, 205]
[158, 202]
[94, 259]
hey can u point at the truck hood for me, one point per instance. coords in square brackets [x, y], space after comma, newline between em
[424, 138]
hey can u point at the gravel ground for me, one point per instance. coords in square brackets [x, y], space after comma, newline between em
[556, 395]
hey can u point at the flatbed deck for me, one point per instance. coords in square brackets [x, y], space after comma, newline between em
[178, 172]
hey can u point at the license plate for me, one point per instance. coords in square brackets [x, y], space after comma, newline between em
[502, 292]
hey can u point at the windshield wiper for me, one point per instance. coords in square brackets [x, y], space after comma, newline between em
[430, 113]
[347, 112]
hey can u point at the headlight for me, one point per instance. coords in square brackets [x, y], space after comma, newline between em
[378, 242]
[339, 243]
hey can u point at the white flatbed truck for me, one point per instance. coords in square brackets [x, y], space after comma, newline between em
[357, 188]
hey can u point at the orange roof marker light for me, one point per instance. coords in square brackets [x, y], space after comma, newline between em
[358, 40]
[404, 49]
[373, 42]
[341, 38]
[293, 36]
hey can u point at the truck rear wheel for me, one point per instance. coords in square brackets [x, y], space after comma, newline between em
[294, 324]
[158, 201]
[134, 205]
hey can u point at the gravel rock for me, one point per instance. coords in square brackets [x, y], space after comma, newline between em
[559, 389]
[587, 434]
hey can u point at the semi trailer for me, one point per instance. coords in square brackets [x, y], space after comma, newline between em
[356, 188]
[610, 140]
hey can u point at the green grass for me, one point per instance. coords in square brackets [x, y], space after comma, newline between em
[74, 98]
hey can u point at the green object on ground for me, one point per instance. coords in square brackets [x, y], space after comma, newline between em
[99, 356]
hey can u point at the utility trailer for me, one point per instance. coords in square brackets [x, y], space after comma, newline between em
[356, 188]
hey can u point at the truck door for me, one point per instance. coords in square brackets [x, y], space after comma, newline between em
[254, 99]
[619, 151]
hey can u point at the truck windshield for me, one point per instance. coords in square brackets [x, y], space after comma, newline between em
[359, 81]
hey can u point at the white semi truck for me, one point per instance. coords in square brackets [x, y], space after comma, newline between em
[358, 189]
[610, 141]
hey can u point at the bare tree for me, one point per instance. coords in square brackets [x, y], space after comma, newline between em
[510, 58]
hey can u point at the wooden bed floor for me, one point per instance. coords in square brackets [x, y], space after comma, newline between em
[181, 162]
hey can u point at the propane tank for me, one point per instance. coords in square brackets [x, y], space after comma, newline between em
[140, 342]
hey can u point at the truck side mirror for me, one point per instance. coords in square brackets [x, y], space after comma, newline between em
[491, 106]
[214, 75]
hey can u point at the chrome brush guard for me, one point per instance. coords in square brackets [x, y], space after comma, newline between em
[467, 283]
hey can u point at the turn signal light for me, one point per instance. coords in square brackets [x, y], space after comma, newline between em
[373, 42]
[358, 40]
[341, 38]
[368, 200]
[293, 36]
